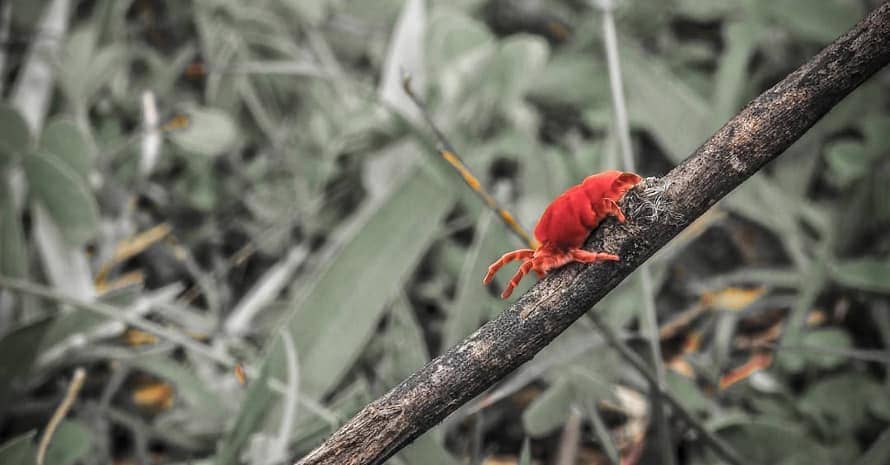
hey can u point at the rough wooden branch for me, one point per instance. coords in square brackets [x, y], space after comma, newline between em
[758, 134]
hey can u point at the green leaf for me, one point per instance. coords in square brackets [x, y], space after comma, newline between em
[469, 308]
[18, 349]
[868, 274]
[13, 247]
[191, 388]
[678, 117]
[15, 136]
[250, 419]
[742, 38]
[768, 442]
[69, 324]
[427, 450]
[847, 160]
[875, 129]
[309, 12]
[64, 194]
[62, 138]
[85, 68]
[572, 79]
[685, 390]
[705, 10]
[516, 63]
[830, 338]
[405, 347]
[210, 132]
[549, 410]
[816, 20]
[18, 450]
[312, 430]
[331, 326]
[841, 403]
[340, 310]
[453, 36]
[70, 443]
[406, 352]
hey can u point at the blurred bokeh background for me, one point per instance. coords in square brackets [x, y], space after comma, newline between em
[230, 215]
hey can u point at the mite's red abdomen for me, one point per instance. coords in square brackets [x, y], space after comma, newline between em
[560, 225]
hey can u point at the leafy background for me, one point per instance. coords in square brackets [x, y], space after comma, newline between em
[193, 189]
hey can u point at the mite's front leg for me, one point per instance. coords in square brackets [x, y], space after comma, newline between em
[609, 207]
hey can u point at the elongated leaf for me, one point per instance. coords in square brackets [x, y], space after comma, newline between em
[405, 354]
[842, 402]
[250, 419]
[836, 339]
[817, 20]
[549, 410]
[71, 442]
[742, 38]
[189, 386]
[346, 404]
[453, 36]
[661, 102]
[62, 138]
[340, 312]
[426, 450]
[468, 310]
[18, 450]
[87, 67]
[13, 255]
[573, 79]
[769, 442]
[868, 274]
[64, 194]
[18, 349]
[15, 137]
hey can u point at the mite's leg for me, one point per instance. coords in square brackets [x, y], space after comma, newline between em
[609, 207]
[523, 270]
[584, 256]
[521, 254]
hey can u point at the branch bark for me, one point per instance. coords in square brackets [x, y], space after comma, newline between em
[758, 134]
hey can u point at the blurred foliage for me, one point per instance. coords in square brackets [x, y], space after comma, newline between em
[303, 226]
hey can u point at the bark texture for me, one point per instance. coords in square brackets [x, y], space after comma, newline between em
[758, 134]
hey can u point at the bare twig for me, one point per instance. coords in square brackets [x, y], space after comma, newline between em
[70, 396]
[447, 152]
[757, 135]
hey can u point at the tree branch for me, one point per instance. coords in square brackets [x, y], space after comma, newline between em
[758, 134]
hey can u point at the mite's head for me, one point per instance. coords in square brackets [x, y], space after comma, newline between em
[609, 184]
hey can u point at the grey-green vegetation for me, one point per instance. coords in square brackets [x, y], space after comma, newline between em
[306, 229]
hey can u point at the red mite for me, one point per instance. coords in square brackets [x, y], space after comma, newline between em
[565, 224]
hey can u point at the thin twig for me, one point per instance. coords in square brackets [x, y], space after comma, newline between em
[114, 313]
[757, 135]
[649, 316]
[70, 396]
[446, 150]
